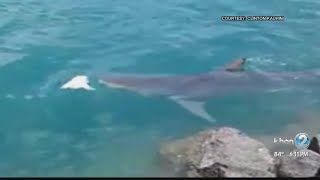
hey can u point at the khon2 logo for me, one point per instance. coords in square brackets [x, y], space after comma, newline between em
[302, 140]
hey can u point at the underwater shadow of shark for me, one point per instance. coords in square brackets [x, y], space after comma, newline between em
[193, 91]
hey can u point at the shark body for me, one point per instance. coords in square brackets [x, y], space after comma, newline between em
[193, 91]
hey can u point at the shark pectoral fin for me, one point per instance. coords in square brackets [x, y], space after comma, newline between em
[236, 65]
[195, 107]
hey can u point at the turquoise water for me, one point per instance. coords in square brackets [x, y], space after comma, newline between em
[49, 132]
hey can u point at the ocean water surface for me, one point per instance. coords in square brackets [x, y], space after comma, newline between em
[46, 131]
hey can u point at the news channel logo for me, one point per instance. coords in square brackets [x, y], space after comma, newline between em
[302, 140]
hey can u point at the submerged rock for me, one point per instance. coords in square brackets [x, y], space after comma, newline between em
[225, 152]
[304, 166]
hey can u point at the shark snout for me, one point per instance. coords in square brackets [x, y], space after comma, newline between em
[113, 82]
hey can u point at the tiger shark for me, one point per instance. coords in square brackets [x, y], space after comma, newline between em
[193, 91]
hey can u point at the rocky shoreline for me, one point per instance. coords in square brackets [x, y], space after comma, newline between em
[228, 152]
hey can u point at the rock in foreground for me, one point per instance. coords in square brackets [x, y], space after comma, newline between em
[300, 166]
[225, 152]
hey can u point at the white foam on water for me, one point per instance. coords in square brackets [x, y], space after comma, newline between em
[78, 82]
[41, 96]
[278, 90]
[9, 96]
[52, 81]
[25, 97]
[28, 97]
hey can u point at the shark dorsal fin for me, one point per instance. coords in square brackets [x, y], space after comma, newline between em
[236, 65]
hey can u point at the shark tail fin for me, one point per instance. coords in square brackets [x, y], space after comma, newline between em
[195, 107]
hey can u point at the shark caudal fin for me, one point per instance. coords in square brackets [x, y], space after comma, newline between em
[195, 107]
[78, 82]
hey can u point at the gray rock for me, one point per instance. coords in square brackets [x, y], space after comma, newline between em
[300, 166]
[225, 152]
